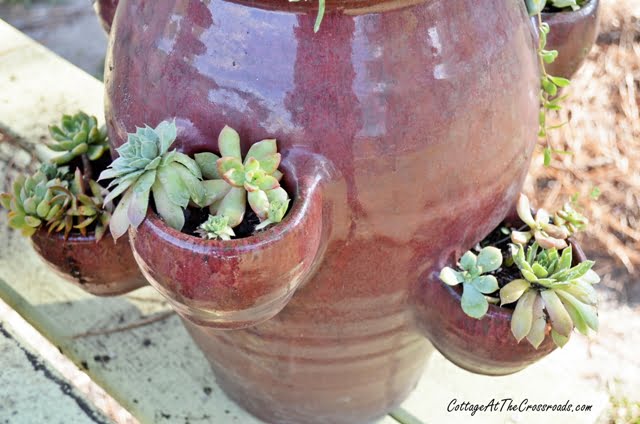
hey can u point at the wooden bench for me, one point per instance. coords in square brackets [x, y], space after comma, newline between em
[135, 348]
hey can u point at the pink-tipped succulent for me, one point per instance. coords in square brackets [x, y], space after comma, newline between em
[547, 234]
[230, 181]
[570, 219]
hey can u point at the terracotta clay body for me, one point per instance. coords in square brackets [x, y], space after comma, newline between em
[407, 129]
[102, 269]
[572, 34]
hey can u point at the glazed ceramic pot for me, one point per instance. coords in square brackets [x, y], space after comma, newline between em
[241, 282]
[572, 34]
[483, 346]
[412, 123]
[104, 268]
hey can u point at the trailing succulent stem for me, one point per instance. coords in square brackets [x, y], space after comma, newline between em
[549, 84]
[78, 136]
[147, 166]
[319, 15]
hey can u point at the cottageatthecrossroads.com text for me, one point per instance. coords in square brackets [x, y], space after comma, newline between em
[511, 405]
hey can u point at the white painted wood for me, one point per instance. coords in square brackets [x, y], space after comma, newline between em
[32, 391]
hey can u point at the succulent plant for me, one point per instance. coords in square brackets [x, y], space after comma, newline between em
[550, 284]
[475, 285]
[547, 235]
[51, 197]
[147, 166]
[230, 182]
[78, 135]
[83, 206]
[569, 219]
[32, 202]
[216, 227]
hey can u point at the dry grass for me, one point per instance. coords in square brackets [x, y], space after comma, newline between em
[604, 136]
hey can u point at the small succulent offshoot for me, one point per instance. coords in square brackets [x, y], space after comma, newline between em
[230, 182]
[76, 136]
[570, 219]
[475, 285]
[147, 166]
[546, 234]
[550, 284]
[216, 227]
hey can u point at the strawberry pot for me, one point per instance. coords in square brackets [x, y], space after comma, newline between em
[406, 132]
[103, 268]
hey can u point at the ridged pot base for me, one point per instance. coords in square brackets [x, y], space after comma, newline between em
[284, 379]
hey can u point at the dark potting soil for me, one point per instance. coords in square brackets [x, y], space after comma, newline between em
[195, 217]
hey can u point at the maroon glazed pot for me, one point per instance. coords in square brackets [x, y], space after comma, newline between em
[417, 120]
[104, 268]
[241, 282]
[572, 34]
[483, 346]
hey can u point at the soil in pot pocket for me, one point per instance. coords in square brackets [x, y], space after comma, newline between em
[66, 212]
[514, 298]
[215, 240]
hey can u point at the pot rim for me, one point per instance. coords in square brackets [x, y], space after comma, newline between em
[74, 236]
[265, 237]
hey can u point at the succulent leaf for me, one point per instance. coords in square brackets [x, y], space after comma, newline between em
[261, 150]
[522, 318]
[229, 143]
[538, 325]
[560, 319]
[486, 284]
[473, 303]
[233, 206]
[450, 276]
[513, 291]
[489, 259]
[468, 261]
[207, 162]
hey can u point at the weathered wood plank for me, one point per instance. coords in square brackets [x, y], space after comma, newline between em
[34, 392]
[155, 371]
